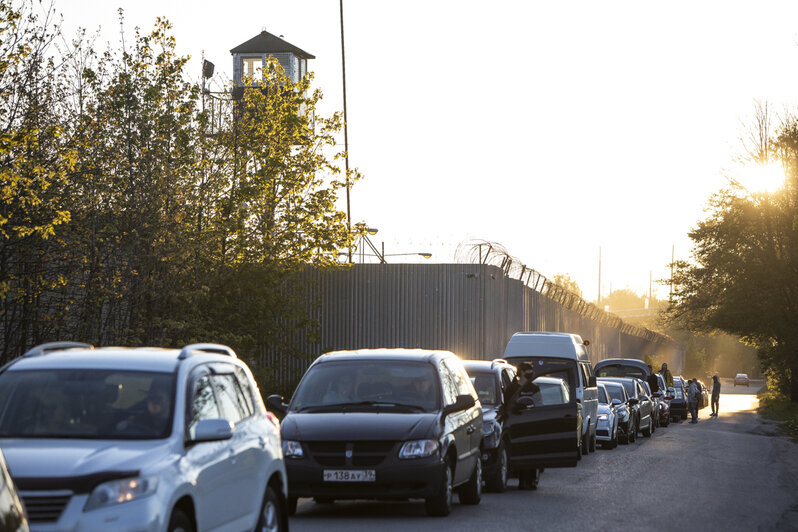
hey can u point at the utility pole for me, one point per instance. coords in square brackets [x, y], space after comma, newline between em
[670, 296]
[598, 300]
[346, 136]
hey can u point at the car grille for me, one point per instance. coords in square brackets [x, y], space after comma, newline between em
[363, 453]
[44, 508]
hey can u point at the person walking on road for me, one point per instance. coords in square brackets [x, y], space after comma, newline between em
[667, 375]
[715, 395]
[692, 398]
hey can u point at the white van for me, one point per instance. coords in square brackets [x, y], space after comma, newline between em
[561, 355]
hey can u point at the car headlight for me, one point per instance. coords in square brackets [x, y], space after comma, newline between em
[292, 449]
[119, 491]
[418, 449]
[603, 417]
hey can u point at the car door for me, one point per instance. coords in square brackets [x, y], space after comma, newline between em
[545, 433]
[456, 425]
[473, 414]
[246, 453]
[211, 462]
[646, 405]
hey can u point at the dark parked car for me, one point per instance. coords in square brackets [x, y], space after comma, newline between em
[678, 401]
[384, 424]
[490, 379]
[642, 406]
[544, 429]
[663, 399]
[627, 427]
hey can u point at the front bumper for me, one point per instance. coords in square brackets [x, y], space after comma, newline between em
[395, 479]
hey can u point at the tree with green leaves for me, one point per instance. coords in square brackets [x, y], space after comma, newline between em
[743, 276]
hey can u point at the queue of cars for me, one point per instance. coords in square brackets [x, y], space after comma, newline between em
[180, 439]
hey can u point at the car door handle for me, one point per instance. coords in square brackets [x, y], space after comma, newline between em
[470, 429]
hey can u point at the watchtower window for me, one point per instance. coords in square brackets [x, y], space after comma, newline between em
[250, 67]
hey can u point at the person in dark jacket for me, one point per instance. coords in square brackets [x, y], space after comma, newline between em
[692, 398]
[715, 395]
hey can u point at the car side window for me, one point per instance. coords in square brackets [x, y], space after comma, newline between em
[461, 380]
[246, 389]
[507, 378]
[203, 403]
[449, 386]
[230, 399]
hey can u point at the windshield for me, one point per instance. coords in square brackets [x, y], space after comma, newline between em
[347, 385]
[602, 396]
[86, 403]
[552, 367]
[615, 392]
[620, 370]
[485, 384]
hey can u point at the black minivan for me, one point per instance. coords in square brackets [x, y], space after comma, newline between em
[383, 424]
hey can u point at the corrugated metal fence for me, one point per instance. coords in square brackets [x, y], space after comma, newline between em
[470, 309]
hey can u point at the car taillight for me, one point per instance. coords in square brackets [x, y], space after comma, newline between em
[271, 417]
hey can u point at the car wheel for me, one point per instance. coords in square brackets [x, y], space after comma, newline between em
[440, 505]
[593, 443]
[179, 522]
[271, 513]
[290, 505]
[633, 433]
[497, 482]
[471, 491]
[614, 439]
[579, 447]
[648, 430]
[586, 442]
[528, 479]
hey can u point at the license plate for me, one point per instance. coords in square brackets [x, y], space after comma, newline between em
[349, 475]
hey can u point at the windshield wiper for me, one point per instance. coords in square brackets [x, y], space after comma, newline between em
[359, 404]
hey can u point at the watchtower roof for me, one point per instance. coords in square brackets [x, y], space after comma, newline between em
[265, 42]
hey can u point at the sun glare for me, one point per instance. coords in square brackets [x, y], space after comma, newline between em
[758, 178]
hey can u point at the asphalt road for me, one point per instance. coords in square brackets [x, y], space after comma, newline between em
[730, 473]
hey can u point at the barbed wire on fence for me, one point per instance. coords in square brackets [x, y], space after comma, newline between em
[477, 251]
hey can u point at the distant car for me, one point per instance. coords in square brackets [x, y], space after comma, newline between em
[641, 404]
[143, 438]
[607, 429]
[12, 513]
[490, 379]
[384, 424]
[627, 427]
[741, 379]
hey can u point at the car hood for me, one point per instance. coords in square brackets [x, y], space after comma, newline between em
[349, 426]
[62, 458]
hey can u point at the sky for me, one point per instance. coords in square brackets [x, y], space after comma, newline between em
[565, 131]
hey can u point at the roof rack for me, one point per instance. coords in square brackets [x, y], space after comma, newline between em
[498, 361]
[218, 349]
[55, 346]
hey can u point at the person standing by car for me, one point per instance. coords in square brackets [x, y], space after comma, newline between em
[692, 397]
[715, 395]
[522, 383]
[667, 375]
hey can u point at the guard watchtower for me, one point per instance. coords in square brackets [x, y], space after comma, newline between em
[251, 56]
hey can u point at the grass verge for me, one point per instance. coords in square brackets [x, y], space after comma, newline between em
[779, 408]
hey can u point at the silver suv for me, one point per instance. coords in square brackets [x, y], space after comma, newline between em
[141, 439]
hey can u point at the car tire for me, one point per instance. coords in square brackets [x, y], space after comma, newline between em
[179, 522]
[290, 505]
[440, 505]
[272, 518]
[650, 429]
[497, 482]
[586, 443]
[528, 479]
[593, 443]
[579, 447]
[471, 491]
[633, 434]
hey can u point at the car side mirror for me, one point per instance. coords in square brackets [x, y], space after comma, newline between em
[617, 402]
[669, 398]
[463, 402]
[657, 394]
[524, 402]
[212, 430]
[671, 389]
[591, 382]
[276, 404]
[633, 400]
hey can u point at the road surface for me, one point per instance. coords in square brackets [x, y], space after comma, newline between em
[730, 473]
